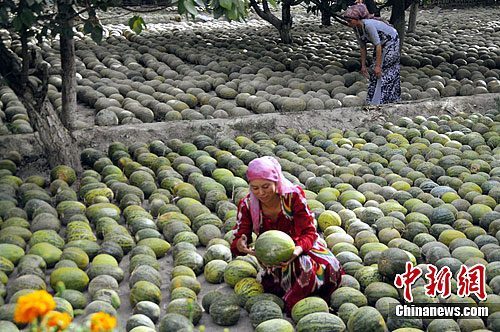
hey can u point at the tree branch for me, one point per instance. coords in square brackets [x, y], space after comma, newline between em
[147, 10]
[267, 16]
[339, 19]
[265, 5]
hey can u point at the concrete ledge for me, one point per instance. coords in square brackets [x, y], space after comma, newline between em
[344, 118]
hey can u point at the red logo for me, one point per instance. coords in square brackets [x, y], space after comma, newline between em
[472, 280]
[439, 281]
[406, 279]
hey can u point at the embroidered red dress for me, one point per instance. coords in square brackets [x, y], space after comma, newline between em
[314, 273]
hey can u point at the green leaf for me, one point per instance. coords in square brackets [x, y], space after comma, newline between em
[200, 3]
[87, 27]
[4, 15]
[191, 9]
[218, 12]
[27, 17]
[272, 3]
[227, 4]
[96, 34]
[17, 23]
[233, 14]
[137, 24]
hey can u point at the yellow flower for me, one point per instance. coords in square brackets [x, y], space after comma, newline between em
[102, 322]
[33, 305]
[61, 320]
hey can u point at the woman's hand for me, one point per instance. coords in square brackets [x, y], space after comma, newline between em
[296, 253]
[364, 71]
[242, 246]
[378, 71]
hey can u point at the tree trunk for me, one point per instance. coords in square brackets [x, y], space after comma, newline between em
[398, 20]
[68, 67]
[412, 21]
[326, 16]
[60, 147]
[286, 23]
[372, 7]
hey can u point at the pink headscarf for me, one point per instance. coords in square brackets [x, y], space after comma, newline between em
[358, 12]
[266, 168]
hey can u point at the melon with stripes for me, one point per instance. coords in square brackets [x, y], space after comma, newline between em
[247, 288]
[274, 247]
[237, 270]
[320, 321]
[308, 306]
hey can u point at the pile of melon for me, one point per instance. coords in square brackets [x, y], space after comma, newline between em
[421, 190]
[215, 69]
[13, 115]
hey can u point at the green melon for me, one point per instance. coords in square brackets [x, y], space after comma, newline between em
[148, 308]
[64, 173]
[366, 275]
[104, 259]
[275, 325]
[347, 295]
[182, 270]
[209, 298]
[307, 306]
[262, 297]
[328, 218]
[224, 313]
[392, 261]
[264, 311]
[187, 282]
[366, 319]
[25, 282]
[346, 310]
[11, 252]
[438, 325]
[103, 269]
[99, 210]
[448, 235]
[274, 247]
[77, 299]
[237, 270]
[214, 271]
[217, 251]
[190, 259]
[76, 255]
[182, 292]
[73, 278]
[159, 246]
[186, 307]
[246, 288]
[48, 252]
[62, 305]
[173, 322]
[377, 290]
[8, 326]
[144, 291]
[320, 321]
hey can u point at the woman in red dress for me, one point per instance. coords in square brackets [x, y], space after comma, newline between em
[274, 203]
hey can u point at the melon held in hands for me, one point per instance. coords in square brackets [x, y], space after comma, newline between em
[274, 247]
